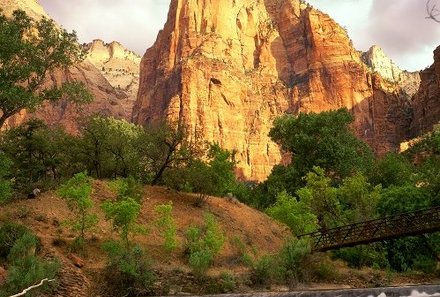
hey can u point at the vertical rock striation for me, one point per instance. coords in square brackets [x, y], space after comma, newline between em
[227, 69]
[426, 102]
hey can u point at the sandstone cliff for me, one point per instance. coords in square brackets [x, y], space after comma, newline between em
[107, 100]
[426, 102]
[119, 66]
[227, 69]
[376, 59]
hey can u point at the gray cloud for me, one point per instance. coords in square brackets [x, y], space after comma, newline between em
[398, 26]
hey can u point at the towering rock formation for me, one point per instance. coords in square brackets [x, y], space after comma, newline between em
[227, 69]
[119, 66]
[426, 102]
[376, 59]
[113, 96]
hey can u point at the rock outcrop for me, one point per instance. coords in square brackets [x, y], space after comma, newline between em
[426, 102]
[376, 59]
[108, 100]
[120, 67]
[227, 69]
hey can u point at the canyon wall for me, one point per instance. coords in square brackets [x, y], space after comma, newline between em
[227, 69]
[426, 102]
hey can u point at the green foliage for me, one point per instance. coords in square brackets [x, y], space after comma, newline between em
[38, 154]
[108, 147]
[399, 199]
[295, 214]
[123, 215]
[322, 198]
[363, 255]
[5, 184]
[24, 267]
[29, 50]
[293, 260]
[128, 270]
[392, 170]
[164, 148]
[264, 271]
[358, 198]
[212, 176]
[9, 234]
[76, 191]
[166, 226]
[203, 244]
[322, 139]
[127, 187]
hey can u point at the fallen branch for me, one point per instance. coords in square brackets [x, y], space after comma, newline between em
[33, 287]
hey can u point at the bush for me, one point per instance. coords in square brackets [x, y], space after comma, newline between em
[263, 271]
[293, 261]
[128, 270]
[25, 268]
[203, 244]
[127, 187]
[9, 234]
[166, 226]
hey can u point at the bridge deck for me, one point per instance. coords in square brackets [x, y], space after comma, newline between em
[406, 224]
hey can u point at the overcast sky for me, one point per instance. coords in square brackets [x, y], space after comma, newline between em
[398, 26]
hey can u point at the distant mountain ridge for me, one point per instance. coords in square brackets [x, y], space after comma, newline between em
[114, 91]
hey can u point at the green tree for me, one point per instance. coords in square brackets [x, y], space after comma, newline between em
[296, 214]
[76, 191]
[123, 215]
[38, 153]
[163, 147]
[392, 170]
[29, 51]
[322, 139]
[108, 147]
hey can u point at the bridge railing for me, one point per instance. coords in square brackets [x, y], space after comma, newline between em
[405, 224]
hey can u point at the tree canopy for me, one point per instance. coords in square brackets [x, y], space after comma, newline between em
[29, 51]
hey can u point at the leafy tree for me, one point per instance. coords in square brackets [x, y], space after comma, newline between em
[127, 187]
[123, 215]
[393, 169]
[322, 197]
[76, 191]
[164, 146]
[108, 147]
[37, 153]
[358, 198]
[322, 139]
[295, 214]
[29, 51]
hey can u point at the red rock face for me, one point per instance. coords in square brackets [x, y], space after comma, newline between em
[426, 102]
[227, 69]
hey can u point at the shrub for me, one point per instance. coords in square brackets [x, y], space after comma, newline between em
[25, 268]
[263, 270]
[127, 187]
[293, 261]
[128, 270]
[166, 226]
[203, 244]
[76, 192]
[5, 184]
[9, 234]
